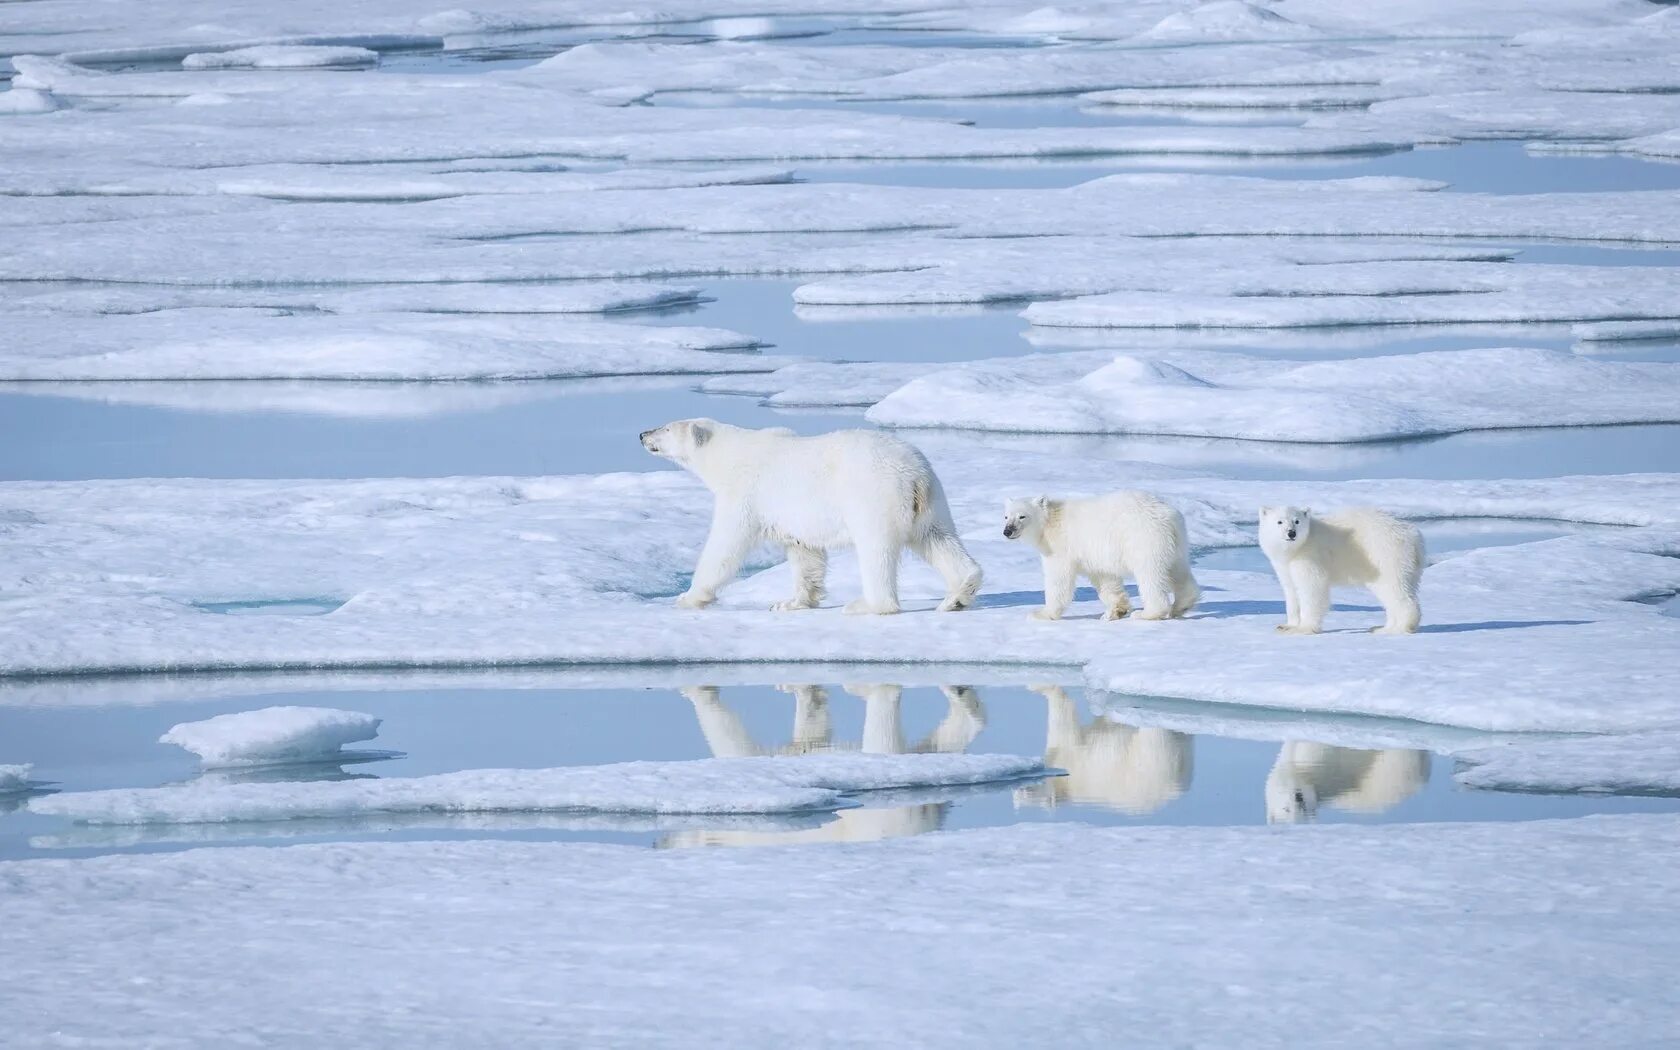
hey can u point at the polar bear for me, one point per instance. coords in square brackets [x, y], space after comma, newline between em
[1307, 775]
[811, 495]
[1108, 538]
[1357, 546]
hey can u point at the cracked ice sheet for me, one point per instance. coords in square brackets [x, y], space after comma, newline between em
[102, 576]
[1645, 764]
[973, 245]
[704, 786]
[287, 118]
[1432, 930]
[1216, 394]
[207, 343]
[517, 298]
[1384, 293]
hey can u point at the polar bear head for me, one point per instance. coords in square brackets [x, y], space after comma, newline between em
[1023, 519]
[1290, 801]
[679, 441]
[1284, 527]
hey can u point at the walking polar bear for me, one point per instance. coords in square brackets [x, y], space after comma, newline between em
[811, 495]
[1358, 546]
[1107, 539]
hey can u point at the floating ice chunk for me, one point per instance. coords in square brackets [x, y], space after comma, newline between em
[1306, 96]
[21, 101]
[735, 785]
[1212, 394]
[277, 56]
[1624, 765]
[272, 735]
[1625, 331]
[14, 779]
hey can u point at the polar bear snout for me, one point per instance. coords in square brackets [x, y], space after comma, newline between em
[1011, 530]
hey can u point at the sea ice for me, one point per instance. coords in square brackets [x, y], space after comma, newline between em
[212, 343]
[733, 785]
[1431, 930]
[276, 56]
[1216, 394]
[1648, 763]
[272, 735]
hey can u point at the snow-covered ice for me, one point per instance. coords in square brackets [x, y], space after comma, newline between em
[279, 56]
[1647, 763]
[1215, 394]
[108, 576]
[273, 735]
[1432, 931]
[706, 786]
[214, 343]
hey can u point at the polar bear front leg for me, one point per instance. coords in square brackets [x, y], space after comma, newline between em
[720, 559]
[1061, 576]
[1117, 605]
[1312, 597]
[810, 570]
[1291, 607]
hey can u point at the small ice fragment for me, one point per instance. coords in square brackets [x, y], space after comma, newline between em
[272, 735]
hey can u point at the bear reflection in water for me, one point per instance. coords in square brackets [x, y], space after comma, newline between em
[883, 734]
[1308, 775]
[1131, 769]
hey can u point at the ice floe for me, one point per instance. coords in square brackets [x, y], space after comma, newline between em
[211, 343]
[1215, 394]
[1430, 930]
[112, 576]
[1643, 764]
[705, 786]
[14, 779]
[272, 735]
[279, 56]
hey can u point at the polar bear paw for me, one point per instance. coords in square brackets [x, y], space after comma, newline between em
[1297, 629]
[955, 603]
[1116, 614]
[1393, 630]
[1046, 614]
[794, 605]
[863, 607]
[694, 600]
[1154, 614]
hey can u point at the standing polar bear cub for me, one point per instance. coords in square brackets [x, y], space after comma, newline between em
[1359, 546]
[811, 495]
[1107, 539]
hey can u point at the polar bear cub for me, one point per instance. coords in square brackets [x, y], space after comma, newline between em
[1361, 546]
[1107, 539]
[811, 495]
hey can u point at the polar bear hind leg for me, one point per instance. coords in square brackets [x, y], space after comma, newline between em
[1400, 606]
[940, 548]
[1186, 592]
[810, 570]
[1155, 589]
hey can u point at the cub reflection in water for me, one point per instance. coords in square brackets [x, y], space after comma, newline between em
[1131, 769]
[1308, 775]
[813, 730]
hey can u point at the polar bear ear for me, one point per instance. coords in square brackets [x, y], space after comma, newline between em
[1041, 502]
[700, 432]
[1305, 512]
[1265, 512]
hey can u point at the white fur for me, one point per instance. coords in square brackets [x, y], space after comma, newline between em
[1307, 775]
[1107, 539]
[1361, 546]
[1107, 763]
[811, 495]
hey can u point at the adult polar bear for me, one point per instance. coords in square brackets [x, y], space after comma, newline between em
[849, 488]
